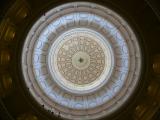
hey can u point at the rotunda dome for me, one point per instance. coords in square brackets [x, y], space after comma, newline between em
[81, 60]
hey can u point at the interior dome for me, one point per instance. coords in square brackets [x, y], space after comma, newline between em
[81, 60]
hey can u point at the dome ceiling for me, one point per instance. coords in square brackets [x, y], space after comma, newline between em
[81, 60]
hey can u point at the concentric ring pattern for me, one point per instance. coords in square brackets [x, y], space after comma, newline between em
[81, 60]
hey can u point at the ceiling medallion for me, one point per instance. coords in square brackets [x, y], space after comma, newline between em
[81, 60]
